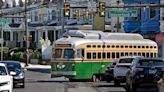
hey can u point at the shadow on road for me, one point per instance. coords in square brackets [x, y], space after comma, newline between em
[110, 86]
[39, 70]
[49, 81]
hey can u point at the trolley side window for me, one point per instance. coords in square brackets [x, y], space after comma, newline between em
[68, 53]
[88, 55]
[80, 53]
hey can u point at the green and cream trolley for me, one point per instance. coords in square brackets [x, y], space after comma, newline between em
[83, 54]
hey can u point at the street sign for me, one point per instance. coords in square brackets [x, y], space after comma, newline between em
[123, 13]
[4, 21]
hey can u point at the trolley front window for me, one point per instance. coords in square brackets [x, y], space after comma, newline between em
[68, 53]
[58, 53]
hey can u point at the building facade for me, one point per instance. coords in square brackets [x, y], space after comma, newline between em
[44, 22]
[162, 17]
[147, 21]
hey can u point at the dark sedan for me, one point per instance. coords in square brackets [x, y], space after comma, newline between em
[19, 77]
[144, 72]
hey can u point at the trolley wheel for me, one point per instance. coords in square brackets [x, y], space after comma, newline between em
[72, 80]
[95, 78]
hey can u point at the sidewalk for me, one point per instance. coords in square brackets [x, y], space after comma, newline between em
[35, 66]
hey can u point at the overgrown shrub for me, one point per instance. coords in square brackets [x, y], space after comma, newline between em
[16, 56]
[5, 53]
[36, 55]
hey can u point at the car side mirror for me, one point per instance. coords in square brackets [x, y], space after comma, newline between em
[12, 73]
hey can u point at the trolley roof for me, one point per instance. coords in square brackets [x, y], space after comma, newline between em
[79, 37]
[79, 41]
[90, 34]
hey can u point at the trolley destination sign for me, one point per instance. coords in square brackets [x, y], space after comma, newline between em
[123, 13]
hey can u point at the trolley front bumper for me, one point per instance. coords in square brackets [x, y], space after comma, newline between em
[63, 73]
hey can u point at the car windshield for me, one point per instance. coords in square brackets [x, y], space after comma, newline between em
[151, 62]
[13, 67]
[3, 70]
[127, 60]
[69, 53]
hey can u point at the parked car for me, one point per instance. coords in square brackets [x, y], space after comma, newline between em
[144, 72]
[6, 81]
[108, 76]
[19, 77]
[121, 68]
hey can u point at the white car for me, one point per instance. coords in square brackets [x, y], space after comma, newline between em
[121, 68]
[6, 81]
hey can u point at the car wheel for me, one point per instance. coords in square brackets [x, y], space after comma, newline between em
[116, 83]
[108, 80]
[127, 86]
[72, 80]
[133, 87]
[95, 78]
[23, 86]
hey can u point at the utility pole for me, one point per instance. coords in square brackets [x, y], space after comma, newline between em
[118, 18]
[61, 14]
[26, 30]
[90, 7]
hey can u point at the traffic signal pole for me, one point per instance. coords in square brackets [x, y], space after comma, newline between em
[62, 15]
[118, 18]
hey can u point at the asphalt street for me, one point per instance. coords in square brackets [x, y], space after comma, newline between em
[38, 80]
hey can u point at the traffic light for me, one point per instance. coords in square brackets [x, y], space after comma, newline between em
[77, 14]
[85, 14]
[66, 9]
[102, 9]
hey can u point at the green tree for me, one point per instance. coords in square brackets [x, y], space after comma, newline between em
[14, 3]
[1, 3]
[30, 2]
[20, 3]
